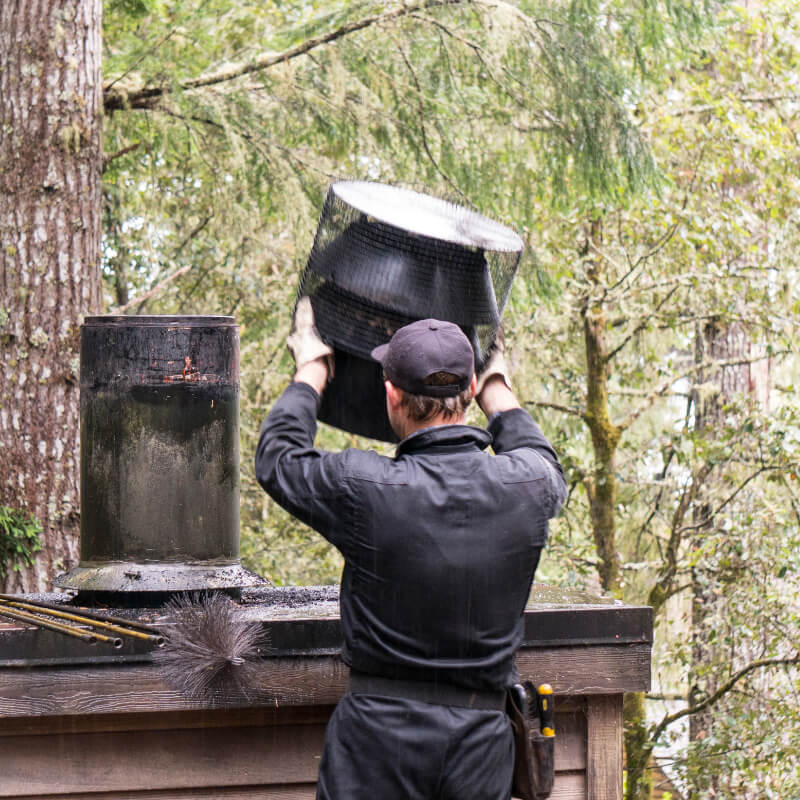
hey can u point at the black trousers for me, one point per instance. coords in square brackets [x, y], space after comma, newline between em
[385, 748]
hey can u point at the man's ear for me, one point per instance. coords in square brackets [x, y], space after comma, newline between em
[473, 385]
[393, 395]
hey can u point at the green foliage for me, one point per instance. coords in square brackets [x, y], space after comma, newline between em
[19, 539]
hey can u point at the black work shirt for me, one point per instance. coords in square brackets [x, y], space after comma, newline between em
[440, 542]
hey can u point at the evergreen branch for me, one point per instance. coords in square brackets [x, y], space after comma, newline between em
[245, 134]
[483, 58]
[115, 99]
[150, 50]
[726, 687]
[422, 128]
[125, 150]
[189, 117]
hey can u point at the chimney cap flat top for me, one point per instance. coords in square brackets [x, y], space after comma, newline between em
[164, 320]
[425, 215]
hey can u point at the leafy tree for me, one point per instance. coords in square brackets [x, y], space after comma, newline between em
[652, 288]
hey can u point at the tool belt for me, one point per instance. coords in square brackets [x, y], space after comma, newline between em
[445, 694]
[531, 716]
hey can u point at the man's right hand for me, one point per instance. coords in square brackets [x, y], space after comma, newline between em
[304, 343]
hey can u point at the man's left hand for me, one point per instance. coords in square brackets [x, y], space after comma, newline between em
[313, 358]
[304, 343]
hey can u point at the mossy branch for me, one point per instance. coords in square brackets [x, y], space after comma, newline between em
[761, 663]
[116, 97]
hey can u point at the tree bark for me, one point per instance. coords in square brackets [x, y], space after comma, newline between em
[50, 166]
[719, 342]
[602, 486]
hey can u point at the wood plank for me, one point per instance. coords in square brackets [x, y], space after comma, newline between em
[168, 720]
[604, 747]
[569, 786]
[588, 670]
[201, 762]
[570, 747]
[139, 688]
[290, 681]
[300, 791]
[184, 759]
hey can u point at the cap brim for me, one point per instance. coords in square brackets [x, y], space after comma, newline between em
[379, 353]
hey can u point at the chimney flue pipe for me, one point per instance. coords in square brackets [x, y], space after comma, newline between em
[159, 455]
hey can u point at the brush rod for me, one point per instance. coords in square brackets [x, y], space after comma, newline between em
[69, 630]
[86, 619]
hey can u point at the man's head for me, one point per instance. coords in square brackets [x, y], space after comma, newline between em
[429, 367]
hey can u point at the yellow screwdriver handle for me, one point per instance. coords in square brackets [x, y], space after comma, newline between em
[544, 694]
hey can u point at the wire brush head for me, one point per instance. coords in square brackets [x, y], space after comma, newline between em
[211, 651]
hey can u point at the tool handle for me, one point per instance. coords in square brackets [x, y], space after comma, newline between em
[546, 706]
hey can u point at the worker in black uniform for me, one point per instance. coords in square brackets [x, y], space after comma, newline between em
[440, 545]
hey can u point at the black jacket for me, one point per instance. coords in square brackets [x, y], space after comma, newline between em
[440, 542]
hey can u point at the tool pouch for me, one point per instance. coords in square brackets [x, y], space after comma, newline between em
[533, 752]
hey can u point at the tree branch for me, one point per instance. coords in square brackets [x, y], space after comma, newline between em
[422, 128]
[767, 98]
[664, 388]
[557, 407]
[761, 663]
[643, 323]
[116, 97]
[157, 288]
[178, 272]
[125, 150]
[710, 516]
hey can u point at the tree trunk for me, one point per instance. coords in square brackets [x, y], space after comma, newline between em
[50, 165]
[714, 342]
[638, 748]
[602, 487]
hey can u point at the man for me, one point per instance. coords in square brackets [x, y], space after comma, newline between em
[440, 544]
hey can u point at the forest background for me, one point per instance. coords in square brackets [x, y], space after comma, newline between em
[647, 153]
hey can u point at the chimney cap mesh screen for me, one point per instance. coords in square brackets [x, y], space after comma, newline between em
[383, 257]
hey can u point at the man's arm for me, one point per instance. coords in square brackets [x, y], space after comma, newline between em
[511, 426]
[496, 396]
[303, 480]
[315, 373]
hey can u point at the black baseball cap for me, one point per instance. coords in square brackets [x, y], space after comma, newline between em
[423, 348]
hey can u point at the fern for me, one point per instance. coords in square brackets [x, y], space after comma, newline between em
[19, 539]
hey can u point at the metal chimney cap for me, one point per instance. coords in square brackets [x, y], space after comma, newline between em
[425, 215]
